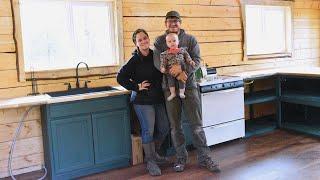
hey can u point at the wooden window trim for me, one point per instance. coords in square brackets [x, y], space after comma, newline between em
[67, 73]
[243, 19]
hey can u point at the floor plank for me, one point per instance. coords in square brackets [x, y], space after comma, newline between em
[277, 155]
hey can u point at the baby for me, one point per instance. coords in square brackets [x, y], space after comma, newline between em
[174, 55]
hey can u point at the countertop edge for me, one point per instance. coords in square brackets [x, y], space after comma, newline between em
[37, 100]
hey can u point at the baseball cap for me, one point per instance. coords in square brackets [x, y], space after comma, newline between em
[171, 14]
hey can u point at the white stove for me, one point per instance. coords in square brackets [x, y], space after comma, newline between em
[222, 106]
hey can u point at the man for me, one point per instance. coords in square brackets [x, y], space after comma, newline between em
[191, 104]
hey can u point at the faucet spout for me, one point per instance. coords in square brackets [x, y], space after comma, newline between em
[77, 73]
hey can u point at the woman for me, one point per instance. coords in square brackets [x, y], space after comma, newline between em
[140, 76]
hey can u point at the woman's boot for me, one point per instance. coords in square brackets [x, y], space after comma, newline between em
[150, 156]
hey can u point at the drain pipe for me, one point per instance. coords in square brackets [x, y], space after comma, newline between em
[17, 133]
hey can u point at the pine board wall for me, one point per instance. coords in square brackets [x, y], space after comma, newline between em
[215, 23]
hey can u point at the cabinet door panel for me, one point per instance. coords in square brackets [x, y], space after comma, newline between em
[72, 143]
[111, 135]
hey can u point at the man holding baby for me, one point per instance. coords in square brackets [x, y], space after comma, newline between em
[191, 102]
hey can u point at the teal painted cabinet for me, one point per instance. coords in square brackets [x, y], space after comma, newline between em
[85, 137]
[72, 143]
[107, 139]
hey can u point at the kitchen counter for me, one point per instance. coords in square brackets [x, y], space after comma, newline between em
[46, 99]
[304, 71]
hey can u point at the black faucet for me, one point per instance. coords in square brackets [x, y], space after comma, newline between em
[77, 73]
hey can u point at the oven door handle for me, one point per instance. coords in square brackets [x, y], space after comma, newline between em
[230, 90]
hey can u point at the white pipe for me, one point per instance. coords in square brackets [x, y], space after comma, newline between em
[17, 133]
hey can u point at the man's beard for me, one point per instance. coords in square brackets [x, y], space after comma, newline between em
[174, 31]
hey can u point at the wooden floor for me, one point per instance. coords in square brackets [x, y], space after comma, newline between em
[278, 155]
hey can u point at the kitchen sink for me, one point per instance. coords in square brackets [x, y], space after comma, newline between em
[80, 91]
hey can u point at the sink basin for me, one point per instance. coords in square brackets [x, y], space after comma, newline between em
[80, 91]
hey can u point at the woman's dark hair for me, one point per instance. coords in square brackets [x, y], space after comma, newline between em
[134, 35]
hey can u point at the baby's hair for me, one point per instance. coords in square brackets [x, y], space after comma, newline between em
[134, 35]
[172, 34]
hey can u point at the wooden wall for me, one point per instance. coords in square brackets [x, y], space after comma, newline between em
[217, 26]
[215, 23]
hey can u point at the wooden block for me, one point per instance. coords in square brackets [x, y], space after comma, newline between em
[8, 76]
[306, 23]
[208, 49]
[22, 162]
[7, 61]
[306, 43]
[22, 147]
[14, 84]
[217, 36]
[133, 9]
[5, 8]
[6, 26]
[162, 1]
[152, 23]
[306, 4]
[223, 60]
[225, 2]
[204, 2]
[306, 14]
[137, 152]
[29, 129]
[13, 115]
[128, 52]
[21, 171]
[201, 36]
[7, 44]
[301, 54]
[306, 34]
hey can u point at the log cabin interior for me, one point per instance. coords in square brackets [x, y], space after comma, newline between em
[76, 121]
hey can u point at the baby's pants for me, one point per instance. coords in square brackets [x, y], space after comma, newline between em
[172, 82]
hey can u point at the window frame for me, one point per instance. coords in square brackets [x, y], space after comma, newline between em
[247, 57]
[70, 72]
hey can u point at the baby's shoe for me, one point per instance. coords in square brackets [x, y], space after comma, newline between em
[171, 97]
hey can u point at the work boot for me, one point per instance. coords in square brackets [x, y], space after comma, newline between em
[210, 164]
[153, 168]
[179, 165]
[150, 156]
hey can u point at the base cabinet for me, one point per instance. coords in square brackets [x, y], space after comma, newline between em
[72, 143]
[106, 137]
[85, 137]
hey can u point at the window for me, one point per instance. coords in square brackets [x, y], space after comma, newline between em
[58, 34]
[267, 30]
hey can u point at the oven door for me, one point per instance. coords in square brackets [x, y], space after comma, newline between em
[222, 106]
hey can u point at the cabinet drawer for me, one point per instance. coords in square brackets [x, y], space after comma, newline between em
[87, 106]
[224, 132]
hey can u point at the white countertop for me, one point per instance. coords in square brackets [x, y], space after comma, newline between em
[24, 101]
[46, 99]
[305, 71]
[85, 96]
